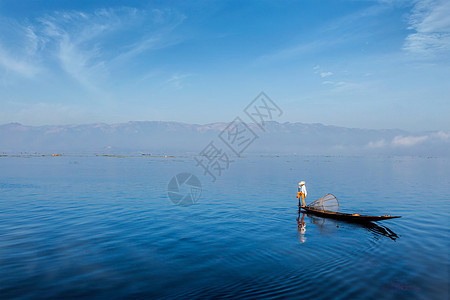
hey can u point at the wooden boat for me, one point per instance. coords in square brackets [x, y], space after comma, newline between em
[347, 217]
[328, 207]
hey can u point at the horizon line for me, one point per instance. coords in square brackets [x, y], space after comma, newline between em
[212, 123]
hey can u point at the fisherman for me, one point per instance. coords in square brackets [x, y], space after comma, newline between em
[302, 192]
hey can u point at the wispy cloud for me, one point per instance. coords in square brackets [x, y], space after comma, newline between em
[80, 42]
[166, 22]
[408, 141]
[342, 86]
[69, 37]
[17, 65]
[335, 85]
[177, 80]
[334, 33]
[83, 48]
[18, 47]
[305, 48]
[81, 64]
[430, 22]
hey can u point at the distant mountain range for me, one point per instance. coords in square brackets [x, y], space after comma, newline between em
[155, 137]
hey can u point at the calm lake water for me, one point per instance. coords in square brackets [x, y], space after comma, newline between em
[104, 227]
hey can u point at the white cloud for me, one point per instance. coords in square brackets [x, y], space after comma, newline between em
[336, 86]
[328, 82]
[427, 44]
[442, 135]
[377, 144]
[408, 141]
[431, 24]
[325, 74]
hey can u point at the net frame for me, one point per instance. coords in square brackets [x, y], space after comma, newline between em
[329, 202]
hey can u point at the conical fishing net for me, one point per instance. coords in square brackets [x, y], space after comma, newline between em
[327, 202]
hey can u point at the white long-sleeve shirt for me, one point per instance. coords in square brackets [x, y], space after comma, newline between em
[304, 190]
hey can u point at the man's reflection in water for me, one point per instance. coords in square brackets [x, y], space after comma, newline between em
[301, 227]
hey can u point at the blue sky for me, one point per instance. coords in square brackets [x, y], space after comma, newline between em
[368, 64]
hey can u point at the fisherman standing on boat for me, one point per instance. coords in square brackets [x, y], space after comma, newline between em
[302, 192]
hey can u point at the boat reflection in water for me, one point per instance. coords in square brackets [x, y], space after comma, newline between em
[380, 230]
[326, 225]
